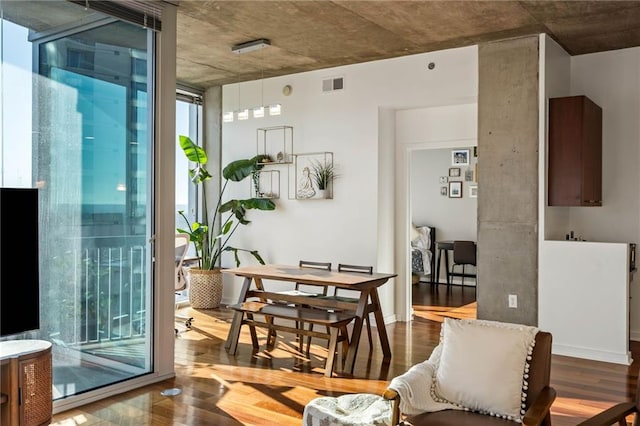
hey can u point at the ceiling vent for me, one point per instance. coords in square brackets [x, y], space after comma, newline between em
[332, 84]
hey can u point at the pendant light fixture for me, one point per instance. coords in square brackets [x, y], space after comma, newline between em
[260, 110]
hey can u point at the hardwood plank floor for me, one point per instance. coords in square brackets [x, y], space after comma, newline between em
[272, 387]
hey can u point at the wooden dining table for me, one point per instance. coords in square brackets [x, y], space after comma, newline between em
[365, 284]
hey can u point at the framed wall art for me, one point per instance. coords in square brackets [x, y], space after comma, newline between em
[313, 176]
[455, 189]
[460, 157]
[468, 175]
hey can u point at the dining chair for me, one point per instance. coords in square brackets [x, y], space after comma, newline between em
[342, 267]
[324, 266]
[464, 253]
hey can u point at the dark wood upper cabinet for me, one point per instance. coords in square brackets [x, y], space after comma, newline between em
[575, 152]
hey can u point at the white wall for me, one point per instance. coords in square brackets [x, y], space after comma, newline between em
[351, 124]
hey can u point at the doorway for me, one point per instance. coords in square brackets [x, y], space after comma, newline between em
[443, 205]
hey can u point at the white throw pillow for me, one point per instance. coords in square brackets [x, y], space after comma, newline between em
[420, 237]
[414, 233]
[484, 365]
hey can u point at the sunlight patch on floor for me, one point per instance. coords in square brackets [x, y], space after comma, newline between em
[439, 313]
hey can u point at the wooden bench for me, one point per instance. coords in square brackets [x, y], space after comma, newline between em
[334, 322]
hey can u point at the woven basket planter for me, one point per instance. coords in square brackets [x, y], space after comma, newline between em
[205, 288]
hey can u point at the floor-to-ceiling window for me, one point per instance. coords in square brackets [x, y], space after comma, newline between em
[76, 113]
[188, 123]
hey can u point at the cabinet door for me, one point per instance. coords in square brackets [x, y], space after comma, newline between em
[36, 392]
[592, 155]
[575, 152]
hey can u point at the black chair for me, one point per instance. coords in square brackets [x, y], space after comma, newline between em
[350, 268]
[324, 266]
[464, 253]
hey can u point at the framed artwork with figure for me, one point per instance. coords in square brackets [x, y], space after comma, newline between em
[460, 157]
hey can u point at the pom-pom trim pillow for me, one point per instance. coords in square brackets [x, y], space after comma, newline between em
[484, 366]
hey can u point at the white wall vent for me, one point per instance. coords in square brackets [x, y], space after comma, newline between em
[333, 84]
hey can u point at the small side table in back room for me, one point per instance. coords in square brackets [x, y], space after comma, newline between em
[443, 247]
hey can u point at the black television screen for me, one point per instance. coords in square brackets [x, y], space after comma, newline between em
[19, 277]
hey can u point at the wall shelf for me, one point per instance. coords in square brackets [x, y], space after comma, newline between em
[302, 185]
[265, 184]
[275, 142]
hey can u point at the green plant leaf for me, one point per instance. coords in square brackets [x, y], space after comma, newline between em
[259, 204]
[239, 169]
[192, 151]
[197, 155]
[227, 227]
[257, 256]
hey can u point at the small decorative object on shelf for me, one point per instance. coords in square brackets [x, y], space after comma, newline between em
[323, 174]
[313, 177]
[276, 143]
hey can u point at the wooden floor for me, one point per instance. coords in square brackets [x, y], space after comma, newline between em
[269, 388]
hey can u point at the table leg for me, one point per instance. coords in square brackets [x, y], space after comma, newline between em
[438, 266]
[236, 323]
[331, 353]
[382, 330]
[357, 329]
[234, 333]
[446, 266]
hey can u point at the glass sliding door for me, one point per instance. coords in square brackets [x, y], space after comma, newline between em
[82, 135]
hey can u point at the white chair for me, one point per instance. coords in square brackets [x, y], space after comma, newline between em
[181, 283]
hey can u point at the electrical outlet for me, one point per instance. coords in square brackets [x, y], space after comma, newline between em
[513, 301]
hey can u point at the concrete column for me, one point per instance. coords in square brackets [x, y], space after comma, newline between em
[508, 180]
[212, 106]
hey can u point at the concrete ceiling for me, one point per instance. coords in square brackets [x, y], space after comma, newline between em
[308, 35]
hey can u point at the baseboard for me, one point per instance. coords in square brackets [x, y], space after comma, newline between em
[390, 319]
[635, 335]
[592, 354]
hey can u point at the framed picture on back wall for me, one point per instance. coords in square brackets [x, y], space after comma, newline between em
[455, 189]
[460, 157]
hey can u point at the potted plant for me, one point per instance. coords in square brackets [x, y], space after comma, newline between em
[323, 174]
[211, 236]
